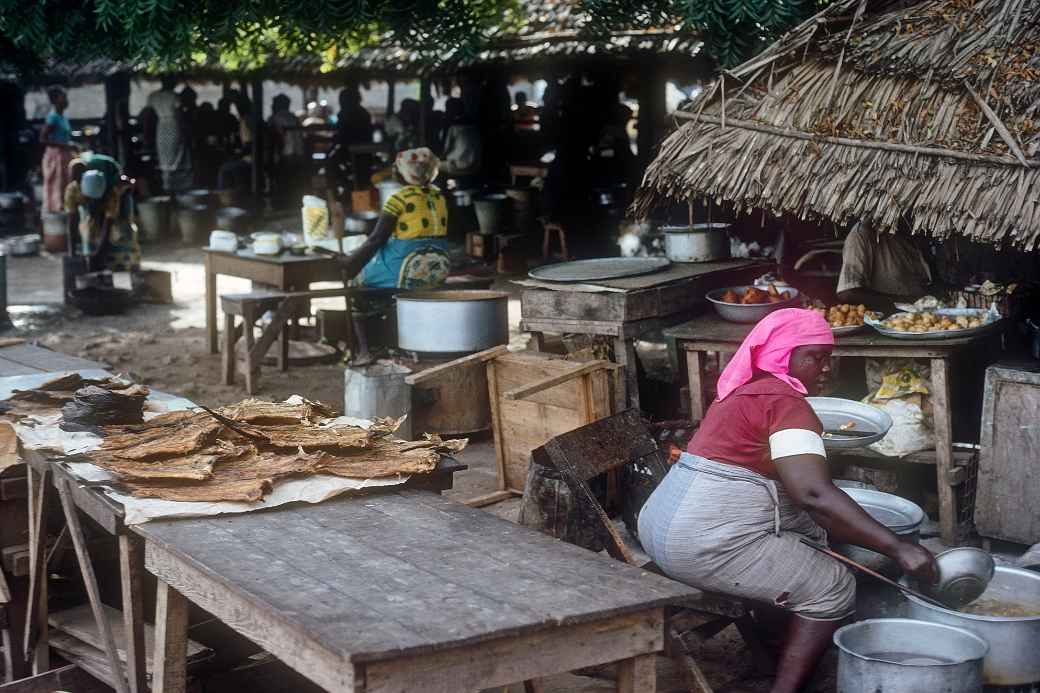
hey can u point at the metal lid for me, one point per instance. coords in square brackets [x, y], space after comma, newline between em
[599, 269]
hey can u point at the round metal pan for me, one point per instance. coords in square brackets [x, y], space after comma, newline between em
[941, 334]
[599, 269]
[894, 512]
[834, 412]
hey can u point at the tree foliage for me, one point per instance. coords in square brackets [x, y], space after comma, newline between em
[733, 30]
[171, 34]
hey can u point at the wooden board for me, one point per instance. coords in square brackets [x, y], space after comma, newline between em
[67, 678]
[78, 622]
[523, 425]
[680, 288]
[1009, 476]
[31, 356]
[414, 574]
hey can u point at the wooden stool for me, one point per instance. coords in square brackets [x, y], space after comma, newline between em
[550, 227]
[250, 307]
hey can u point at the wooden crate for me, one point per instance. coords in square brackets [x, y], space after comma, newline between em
[533, 397]
[1008, 482]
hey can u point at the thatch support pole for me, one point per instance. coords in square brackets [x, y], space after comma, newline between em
[424, 115]
[257, 124]
[865, 144]
[390, 96]
[998, 125]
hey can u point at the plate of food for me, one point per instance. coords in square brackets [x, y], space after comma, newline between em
[849, 424]
[941, 323]
[845, 318]
[751, 303]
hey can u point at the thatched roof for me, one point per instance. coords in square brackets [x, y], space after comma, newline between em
[872, 110]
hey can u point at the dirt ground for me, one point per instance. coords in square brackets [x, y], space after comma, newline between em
[164, 347]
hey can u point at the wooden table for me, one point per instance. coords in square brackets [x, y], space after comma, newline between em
[632, 307]
[26, 359]
[405, 591]
[711, 333]
[285, 272]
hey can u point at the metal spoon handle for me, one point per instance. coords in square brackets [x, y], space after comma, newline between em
[849, 562]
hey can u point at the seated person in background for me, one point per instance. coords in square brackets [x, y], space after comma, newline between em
[408, 247]
[881, 269]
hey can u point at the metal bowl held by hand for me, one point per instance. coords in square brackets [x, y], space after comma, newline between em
[964, 574]
[839, 415]
[737, 312]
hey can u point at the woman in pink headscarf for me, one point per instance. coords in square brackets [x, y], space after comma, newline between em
[731, 515]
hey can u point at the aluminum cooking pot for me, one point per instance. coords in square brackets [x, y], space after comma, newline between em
[697, 243]
[901, 516]
[452, 321]
[1014, 656]
[899, 655]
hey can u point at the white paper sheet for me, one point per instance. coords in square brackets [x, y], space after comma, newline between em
[45, 433]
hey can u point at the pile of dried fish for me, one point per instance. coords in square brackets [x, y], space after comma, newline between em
[94, 406]
[54, 394]
[238, 452]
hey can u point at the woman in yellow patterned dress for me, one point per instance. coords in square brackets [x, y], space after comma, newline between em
[408, 248]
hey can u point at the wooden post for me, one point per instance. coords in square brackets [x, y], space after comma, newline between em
[391, 99]
[637, 675]
[944, 451]
[424, 119]
[652, 111]
[257, 117]
[695, 381]
[117, 117]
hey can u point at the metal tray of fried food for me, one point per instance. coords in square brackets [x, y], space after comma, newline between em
[993, 321]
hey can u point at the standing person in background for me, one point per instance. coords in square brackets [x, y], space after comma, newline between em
[227, 123]
[172, 149]
[56, 138]
[462, 146]
[287, 149]
[403, 127]
[354, 123]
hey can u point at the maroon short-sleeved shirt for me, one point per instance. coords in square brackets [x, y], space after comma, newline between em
[762, 420]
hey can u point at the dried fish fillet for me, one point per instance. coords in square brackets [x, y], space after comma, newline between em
[163, 436]
[245, 491]
[263, 413]
[340, 438]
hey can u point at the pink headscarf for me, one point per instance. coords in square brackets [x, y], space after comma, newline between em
[769, 345]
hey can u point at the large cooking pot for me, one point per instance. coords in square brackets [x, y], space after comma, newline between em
[1014, 655]
[697, 243]
[901, 516]
[899, 655]
[387, 188]
[452, 321]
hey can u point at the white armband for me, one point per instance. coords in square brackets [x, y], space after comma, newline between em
[795, 441]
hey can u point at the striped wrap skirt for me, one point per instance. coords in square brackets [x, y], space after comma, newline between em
[729, 530]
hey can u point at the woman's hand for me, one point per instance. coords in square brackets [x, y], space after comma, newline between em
[917, 561]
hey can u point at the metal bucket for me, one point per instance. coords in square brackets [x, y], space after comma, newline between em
[1014, 657]
[491, 213]
[523, 203]
[194, 222]
[378, 390]
[899, 655]
[55, 229]
[154, 217]
[452, 321]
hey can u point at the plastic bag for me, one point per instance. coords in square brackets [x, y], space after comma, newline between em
[900, 389]
[315, 212]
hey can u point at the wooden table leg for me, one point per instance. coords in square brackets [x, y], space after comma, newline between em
[230, 338]
[538, 339]
[211, 306]
[131, 569]
[637, 675]
[625, 355]
[35, 641]
[695, 381]
[171, 641]
[86, 569]
[944, 450]
[248, 319]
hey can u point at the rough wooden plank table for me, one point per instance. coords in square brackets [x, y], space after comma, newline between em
[285, 272]
[711, 333]
[632, 307]
[405, 591]
[26, 359]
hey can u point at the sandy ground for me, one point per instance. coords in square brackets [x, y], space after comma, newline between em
[164, 347]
